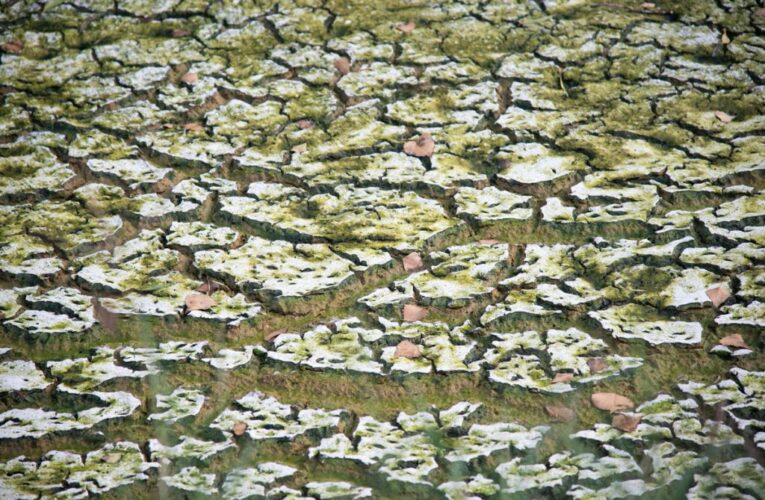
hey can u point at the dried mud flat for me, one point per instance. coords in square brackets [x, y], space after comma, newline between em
[394, 249]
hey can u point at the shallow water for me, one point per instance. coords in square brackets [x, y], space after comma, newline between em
[382, 249]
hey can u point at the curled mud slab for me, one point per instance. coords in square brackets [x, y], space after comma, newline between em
[393, 249]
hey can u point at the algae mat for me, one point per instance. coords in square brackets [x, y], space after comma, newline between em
[393, 249]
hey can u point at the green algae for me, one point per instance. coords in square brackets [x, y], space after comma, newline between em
[649, 159]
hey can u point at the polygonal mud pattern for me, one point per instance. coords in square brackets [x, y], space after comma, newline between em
[359, 249]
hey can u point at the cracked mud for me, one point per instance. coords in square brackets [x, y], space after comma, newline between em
[398, 249]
